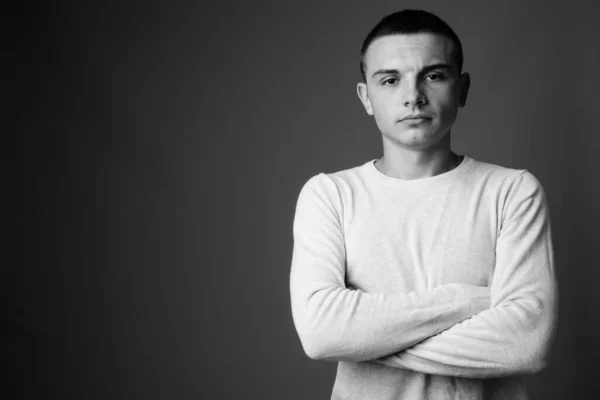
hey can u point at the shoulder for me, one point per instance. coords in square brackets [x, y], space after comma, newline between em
[332, 193]
[517, 190]
[495, 172]
[504, 179]
[335, 184]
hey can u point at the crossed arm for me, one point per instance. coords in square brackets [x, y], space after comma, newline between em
[455, 329]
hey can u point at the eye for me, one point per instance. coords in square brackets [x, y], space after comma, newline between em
[435, 76]
[389, 81]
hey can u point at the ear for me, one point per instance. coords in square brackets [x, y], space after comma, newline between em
[465, 84]
[363, 95]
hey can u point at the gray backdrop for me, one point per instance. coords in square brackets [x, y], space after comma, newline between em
[160, 151]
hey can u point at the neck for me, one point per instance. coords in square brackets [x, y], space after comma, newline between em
[404, 163]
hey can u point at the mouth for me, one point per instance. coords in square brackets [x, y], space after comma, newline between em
[415, 116]
[415, 119]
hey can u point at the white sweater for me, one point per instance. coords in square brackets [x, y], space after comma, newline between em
[421, 288]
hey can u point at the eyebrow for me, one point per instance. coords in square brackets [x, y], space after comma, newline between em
[424, 70]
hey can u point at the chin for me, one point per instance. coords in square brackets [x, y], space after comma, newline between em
[416, 139]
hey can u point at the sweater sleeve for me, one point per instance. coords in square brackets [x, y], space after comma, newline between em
[343, 324]
[513, 336]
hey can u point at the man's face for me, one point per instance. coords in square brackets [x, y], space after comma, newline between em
[413, 88]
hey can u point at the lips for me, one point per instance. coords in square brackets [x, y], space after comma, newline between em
[415, 117]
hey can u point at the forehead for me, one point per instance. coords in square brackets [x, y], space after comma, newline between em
[413, 50]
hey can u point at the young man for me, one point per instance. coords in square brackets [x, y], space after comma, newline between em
[423, 272]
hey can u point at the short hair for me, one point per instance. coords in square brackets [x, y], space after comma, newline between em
[411, 22]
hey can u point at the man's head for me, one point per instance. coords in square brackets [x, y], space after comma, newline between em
[412, 66]
[407, 22]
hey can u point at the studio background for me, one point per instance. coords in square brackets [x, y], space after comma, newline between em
[160, 151]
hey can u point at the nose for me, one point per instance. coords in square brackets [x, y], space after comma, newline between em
[413, 95]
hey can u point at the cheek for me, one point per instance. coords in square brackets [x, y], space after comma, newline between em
[443, 94]
[384, 119]
[383, 111]
[446, 104]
